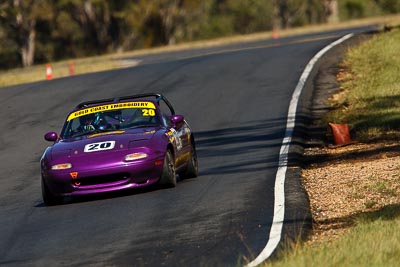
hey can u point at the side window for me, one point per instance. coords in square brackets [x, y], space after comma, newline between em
[165, 112]
[164, 108]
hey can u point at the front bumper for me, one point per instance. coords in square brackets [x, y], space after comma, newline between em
[126, 176]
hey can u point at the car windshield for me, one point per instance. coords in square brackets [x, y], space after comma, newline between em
[110, 117]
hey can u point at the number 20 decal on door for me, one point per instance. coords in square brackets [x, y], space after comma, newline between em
[107, 145]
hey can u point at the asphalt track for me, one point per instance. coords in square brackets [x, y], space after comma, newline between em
[236, 99]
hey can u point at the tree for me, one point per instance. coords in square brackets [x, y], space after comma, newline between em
[18, 19]
[165, 22]
[250, 16]
[92, 17]
[332, 10]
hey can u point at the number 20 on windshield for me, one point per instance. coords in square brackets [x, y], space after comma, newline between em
[148, 112]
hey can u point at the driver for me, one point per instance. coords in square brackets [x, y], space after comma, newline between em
[101, 122]
[86, 123]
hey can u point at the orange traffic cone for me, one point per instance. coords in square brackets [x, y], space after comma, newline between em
[71, 68]
[341, 133]
[49, 72]
[275, 34]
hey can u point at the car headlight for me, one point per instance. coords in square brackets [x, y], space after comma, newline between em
[136, 156]
[62, 166]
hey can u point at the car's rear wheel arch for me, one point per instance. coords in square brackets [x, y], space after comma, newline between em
[192, 142]
[171, 149]
[191, 170]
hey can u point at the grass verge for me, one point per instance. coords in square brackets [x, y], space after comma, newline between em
[370, 103]
[371, 81]
[373, 242]
[118, 60]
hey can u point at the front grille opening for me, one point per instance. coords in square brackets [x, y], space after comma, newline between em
[103, 179]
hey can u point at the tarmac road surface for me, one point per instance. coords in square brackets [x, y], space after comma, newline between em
[236, 99]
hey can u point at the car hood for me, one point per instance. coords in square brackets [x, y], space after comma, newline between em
[120, 140]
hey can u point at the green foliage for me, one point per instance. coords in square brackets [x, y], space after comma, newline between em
[293, 13]
[389, 6]
[8, 51]
[352, 9]
[250, 16]
[235, 17]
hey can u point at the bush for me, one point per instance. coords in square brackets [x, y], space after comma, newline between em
[389, 6]
[353, 9]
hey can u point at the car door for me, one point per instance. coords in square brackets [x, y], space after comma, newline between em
[180, 132]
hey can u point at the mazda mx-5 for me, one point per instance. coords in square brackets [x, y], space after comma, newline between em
[117, 144]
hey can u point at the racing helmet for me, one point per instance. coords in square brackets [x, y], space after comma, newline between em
[87, 118]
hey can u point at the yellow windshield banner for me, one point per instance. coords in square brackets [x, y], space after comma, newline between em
[109, 107]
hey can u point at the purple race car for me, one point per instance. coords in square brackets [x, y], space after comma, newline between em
[117, 144]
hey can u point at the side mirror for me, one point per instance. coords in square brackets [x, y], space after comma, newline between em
[51, 137]
[177, 120]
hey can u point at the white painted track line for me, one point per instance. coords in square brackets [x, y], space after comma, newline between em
[279, 205]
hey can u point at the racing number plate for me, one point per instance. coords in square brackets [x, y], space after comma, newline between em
[107, 145]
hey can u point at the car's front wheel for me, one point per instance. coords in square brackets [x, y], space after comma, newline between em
[168, 175]
[48, 198]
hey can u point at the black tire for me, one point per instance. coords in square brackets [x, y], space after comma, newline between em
[168, 175]
[192, 169]
[48, 198]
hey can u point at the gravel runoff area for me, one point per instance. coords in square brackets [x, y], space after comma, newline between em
[344, 182]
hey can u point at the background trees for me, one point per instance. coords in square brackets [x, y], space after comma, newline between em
[19, 22]
[37, 31]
